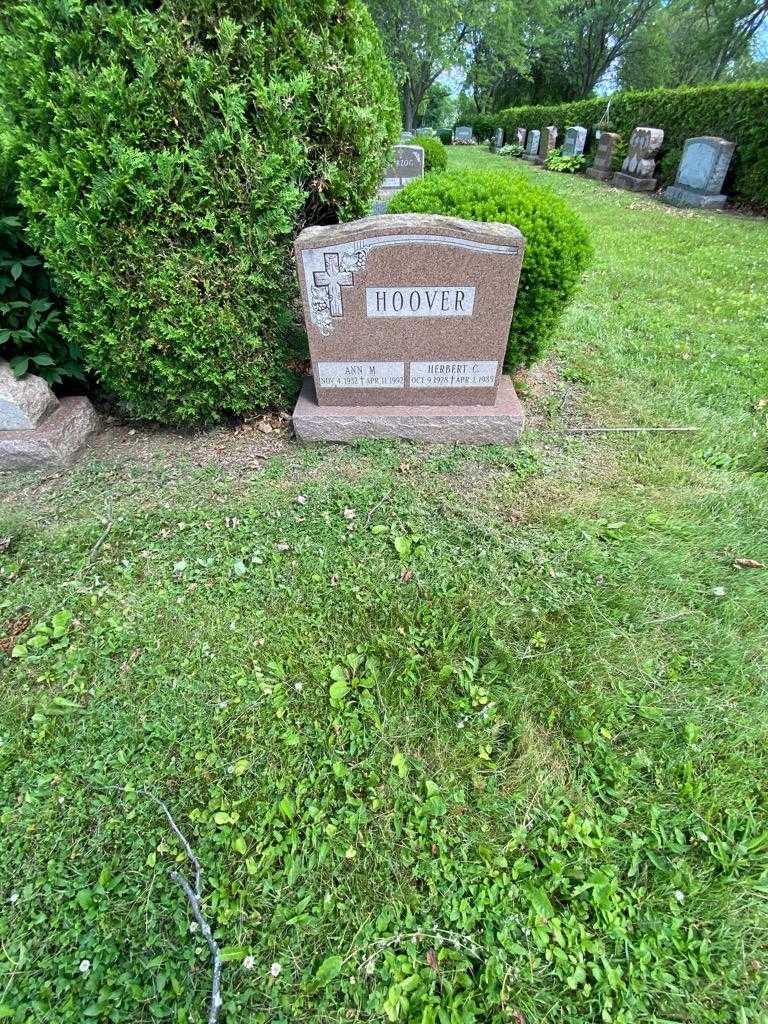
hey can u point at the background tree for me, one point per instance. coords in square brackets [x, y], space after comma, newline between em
[691, 42]
[438, 109]
[423, 38]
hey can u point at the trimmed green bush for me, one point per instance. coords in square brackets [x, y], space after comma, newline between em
[557, 246]
[435, 157]
[171, 152]
[737, 111]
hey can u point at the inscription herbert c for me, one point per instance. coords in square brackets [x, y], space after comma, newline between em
[403, 300]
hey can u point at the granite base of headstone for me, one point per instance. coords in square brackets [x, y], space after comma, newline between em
[407, 164]
[701, 174]
[37, 429]
[637, 171]
[602, 167]
[408, 318]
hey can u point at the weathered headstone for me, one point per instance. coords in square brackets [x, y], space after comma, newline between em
[637, 171]
[406, 136]
[407, 163]
[520, 135]
[408, 317]
[575, 141]
[701, 173]
[498, 138]
[601, 169]
[532, 145]
[36, 429]
[548, 142]
[462, 134]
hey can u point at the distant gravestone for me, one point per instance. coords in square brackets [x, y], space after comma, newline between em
[637, 171]
[407, 163]
[701, 174]
[408, 318]
[462, 134]
[575, 141]
[601, 169]
[36, 429]
[548, 142]
[520, 135]
[406, 136]
[532, 145]
[498, 138]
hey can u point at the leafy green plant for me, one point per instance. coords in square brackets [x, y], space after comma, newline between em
[511, 149]
[736, 111]
[557, 247]
[170, 153]
[435, 156]
[30, 312]
[566, 164]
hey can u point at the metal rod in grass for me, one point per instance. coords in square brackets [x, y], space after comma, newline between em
[194, 898]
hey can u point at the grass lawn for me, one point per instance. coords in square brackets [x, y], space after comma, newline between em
[458, 735]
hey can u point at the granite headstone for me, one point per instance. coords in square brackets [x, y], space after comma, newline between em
[701, 173]
[532, 145]
[36, 428]
[408, 318]
[406, 164]
[602, 169]
[462, 134]
[520, 136]
[575, 141]
[498, 138]
[637, 171]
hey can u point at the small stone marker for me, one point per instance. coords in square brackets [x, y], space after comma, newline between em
[462, 134]
[36, 429]
[601, 169]
[520, 135]
[408, 318]
[575, 141]
[407, 164]
[532, 145]
[701, 173]
[498, 138]
[637, 171]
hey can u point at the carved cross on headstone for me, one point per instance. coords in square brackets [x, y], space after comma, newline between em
[333, 278]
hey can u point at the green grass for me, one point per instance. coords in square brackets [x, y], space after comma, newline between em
[492, 749]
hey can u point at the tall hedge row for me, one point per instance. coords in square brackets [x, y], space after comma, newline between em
[737, 111]
[170, 150]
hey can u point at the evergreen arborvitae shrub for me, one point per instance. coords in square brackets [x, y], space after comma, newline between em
[171, 151]
[557, 246]
[435, 156]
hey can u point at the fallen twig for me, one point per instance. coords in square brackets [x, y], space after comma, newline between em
[95, 549]
[374, 508]
[194, 898]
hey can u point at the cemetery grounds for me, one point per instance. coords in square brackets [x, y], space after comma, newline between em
[457, 735]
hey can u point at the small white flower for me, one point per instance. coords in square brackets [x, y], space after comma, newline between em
[85, 966]
[718, 591]
[13, 898]
[61, 799]
[249, 963]
[702, 837]
[298, 687]
[679, 896]
[193, 926]
[275, 969]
